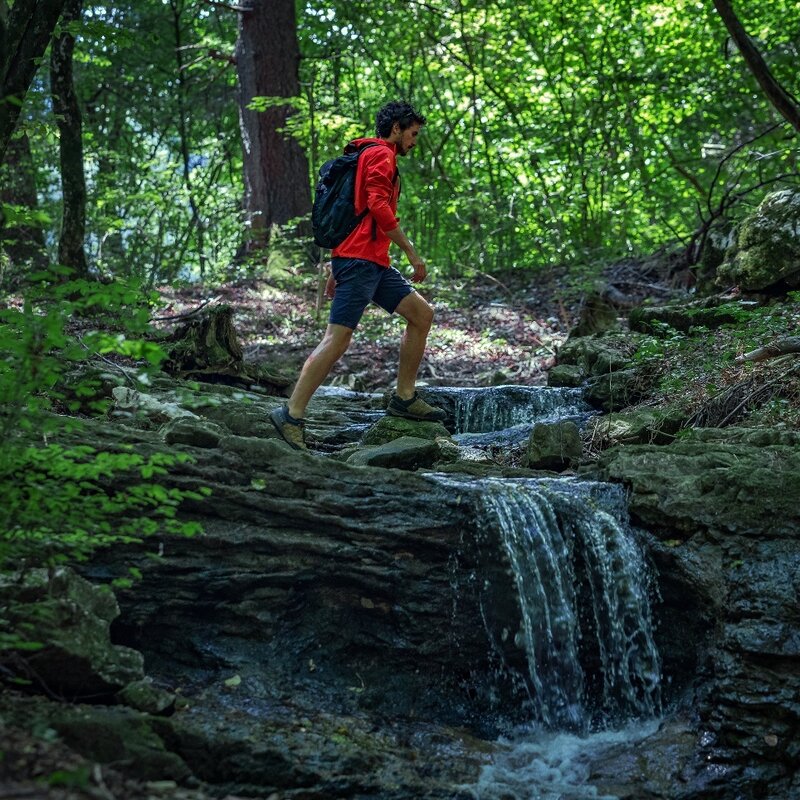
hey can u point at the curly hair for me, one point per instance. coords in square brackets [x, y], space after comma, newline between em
[396, 111]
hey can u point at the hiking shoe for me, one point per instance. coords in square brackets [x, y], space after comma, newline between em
[415, 408]
[291, 430]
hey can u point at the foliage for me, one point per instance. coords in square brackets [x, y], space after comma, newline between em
[558, 132]
[59, 500]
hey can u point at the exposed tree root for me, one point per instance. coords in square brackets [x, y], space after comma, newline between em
[780, 347]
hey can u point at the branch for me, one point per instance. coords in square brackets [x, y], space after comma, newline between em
[775, 93]
[780, 347]
[228, 7]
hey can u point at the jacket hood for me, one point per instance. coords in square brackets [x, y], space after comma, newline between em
[358, 143]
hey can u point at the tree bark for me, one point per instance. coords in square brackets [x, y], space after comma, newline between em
[25, 32]
[275, 167]
[780, 347]
[775, 93]
[68, 116]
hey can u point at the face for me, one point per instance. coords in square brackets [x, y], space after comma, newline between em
[406, 139]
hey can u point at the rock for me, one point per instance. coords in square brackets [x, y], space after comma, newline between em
[405, 452]
[726, 506]
[615, 390]
[569, 375]
[597, 315]
[144, 696]
[767, 248]
[709, 313]
[192, 432]
[388, 428]
[599, 355]
[639, 426]
[71, 617]
[145, 406]
[555, 446]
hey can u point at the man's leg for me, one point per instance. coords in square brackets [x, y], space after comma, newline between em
[332, 347]
[419, 316]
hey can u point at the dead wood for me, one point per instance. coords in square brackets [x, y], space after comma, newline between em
[780, 347]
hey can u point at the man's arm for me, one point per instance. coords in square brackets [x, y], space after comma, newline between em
[402, 241]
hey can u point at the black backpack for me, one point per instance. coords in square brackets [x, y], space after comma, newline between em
[333, 215]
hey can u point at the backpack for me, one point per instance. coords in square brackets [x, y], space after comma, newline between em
[333, 215]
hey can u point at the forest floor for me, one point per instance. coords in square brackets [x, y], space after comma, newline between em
[484, 333]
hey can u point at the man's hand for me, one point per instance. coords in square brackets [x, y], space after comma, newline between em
[420, 270]
[330, 287]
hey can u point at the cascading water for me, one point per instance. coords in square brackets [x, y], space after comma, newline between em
[582, 592]
[585, 624]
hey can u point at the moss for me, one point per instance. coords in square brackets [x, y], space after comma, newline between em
[767, 249]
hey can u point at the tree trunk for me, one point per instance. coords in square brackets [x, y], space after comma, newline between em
[25, 32]
[275, 167]
[775, 93]
[68, 116]
[22, 243]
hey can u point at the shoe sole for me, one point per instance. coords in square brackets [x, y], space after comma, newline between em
[405, 415]
[280, 433]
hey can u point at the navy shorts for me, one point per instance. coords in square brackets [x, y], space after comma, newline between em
[360, 282]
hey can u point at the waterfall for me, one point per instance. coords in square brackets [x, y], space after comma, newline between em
[581, 586]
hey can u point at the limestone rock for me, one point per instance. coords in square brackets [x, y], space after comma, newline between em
[144, 696]
[71, 617]
[709, 313]
[554, 446]
[388, 428]
[192, 432]
[640, 426]
[569, 375]
[405, 452]
[767, 249]
[146, 406]
[614, 390]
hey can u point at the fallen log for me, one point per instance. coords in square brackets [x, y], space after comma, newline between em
[780, 347]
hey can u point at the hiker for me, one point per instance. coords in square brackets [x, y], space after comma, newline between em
[361, 273]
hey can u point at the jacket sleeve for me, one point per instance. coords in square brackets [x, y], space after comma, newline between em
[378, 180]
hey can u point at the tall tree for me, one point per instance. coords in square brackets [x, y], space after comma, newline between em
[275, 166]
[71, 251]
[776, 94]
[25, 32]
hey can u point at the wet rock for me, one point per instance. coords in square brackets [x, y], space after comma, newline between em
[767, 248]
[726, 506]
[405, 452]
[71, 617]
[389, 428]
[555, 446]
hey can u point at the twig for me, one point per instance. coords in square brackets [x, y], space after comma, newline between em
[188, 313]
[108, 361]
[754, 394]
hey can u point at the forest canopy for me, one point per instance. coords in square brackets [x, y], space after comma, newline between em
[558, 132]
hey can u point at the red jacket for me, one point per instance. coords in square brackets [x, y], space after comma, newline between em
[377, 189]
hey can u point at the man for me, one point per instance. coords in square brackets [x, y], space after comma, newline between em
[361, 273]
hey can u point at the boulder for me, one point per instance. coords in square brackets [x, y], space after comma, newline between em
[615, 390]
[553, 446]
[767, 248]
[388, 428]
[71, 618]
[569, 375]
[405, 452]
[639, 426]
